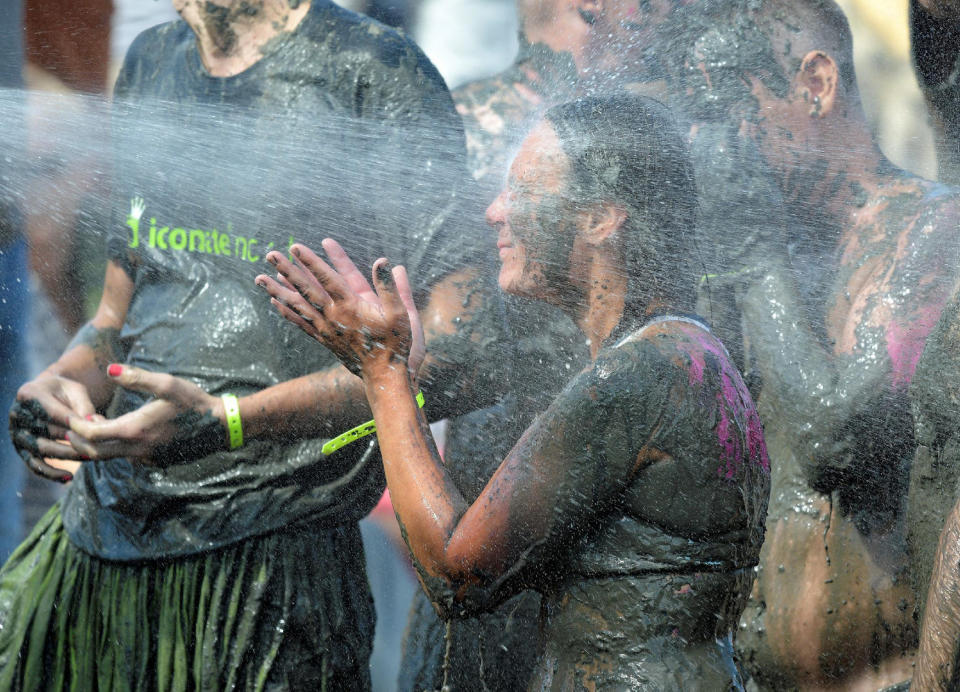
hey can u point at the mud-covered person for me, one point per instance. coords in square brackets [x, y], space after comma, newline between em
[837, 317]
[497, 650]
[636, 502]
[209, 542]
[933, 513]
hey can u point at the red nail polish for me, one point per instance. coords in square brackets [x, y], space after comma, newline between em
[114, 370]
[89, 416]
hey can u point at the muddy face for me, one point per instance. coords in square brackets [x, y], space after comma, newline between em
[534, 219]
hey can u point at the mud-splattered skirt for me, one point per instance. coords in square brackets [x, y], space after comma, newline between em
[290, 610]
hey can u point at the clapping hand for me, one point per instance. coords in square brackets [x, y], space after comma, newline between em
[366, 327]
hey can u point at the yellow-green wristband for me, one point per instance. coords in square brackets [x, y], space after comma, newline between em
[231, 407]
[356, 433]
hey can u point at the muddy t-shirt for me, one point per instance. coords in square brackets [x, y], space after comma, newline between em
[342, 129]
[652, 461]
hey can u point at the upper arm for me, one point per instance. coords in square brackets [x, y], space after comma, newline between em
[115, 301]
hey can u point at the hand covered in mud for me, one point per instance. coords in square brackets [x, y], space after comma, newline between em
[40, 418]
[364, 327]
[181, 424]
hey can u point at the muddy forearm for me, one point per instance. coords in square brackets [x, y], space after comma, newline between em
[86, 358]
[800, 377]
[327, 403]
[318, 405]
[940, 634]
[427, 503]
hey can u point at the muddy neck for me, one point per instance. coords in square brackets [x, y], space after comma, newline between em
[602, 308]
[855, 173]
[234, 36]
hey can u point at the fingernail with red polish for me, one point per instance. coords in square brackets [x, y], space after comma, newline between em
[66, 479]
[114, 370]
[89, 416]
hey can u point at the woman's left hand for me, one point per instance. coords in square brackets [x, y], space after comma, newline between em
[182, 423]
[366, 328]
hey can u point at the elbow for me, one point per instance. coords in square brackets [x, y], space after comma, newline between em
[457, 593]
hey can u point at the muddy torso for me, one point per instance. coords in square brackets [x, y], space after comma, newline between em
[212, 173]
[646, 546]
[831, 600]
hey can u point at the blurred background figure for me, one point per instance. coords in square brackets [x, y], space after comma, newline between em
[14, 297]
[66, 50]
[935, 49]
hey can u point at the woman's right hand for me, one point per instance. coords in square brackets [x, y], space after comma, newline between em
[40, 418]
[339, 308]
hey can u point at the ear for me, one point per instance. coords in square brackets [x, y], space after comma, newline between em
[601, 221]
[589, 10]
[818, 81]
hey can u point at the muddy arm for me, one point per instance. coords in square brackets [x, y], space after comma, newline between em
[801, 379]
[939, 651]
[557, 478]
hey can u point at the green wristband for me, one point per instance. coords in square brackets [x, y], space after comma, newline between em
[232, 408]
[356, 433]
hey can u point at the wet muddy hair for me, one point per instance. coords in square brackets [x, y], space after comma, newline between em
[763, 38]
[811, 25]
[628, 150]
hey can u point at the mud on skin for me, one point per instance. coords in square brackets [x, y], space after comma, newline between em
[894, 344]
[498, 649]
[935, 474]
[687, 572]
[105, 344]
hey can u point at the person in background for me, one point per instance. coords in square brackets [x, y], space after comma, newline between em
[789, 178]
[641, 529]
[67, 76]
[837, 313]
[935, 49]
[211, 534]
[14, 294]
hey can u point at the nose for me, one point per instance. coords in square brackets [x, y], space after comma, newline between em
[497, 211]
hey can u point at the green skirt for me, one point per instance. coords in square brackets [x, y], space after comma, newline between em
[290, 610]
